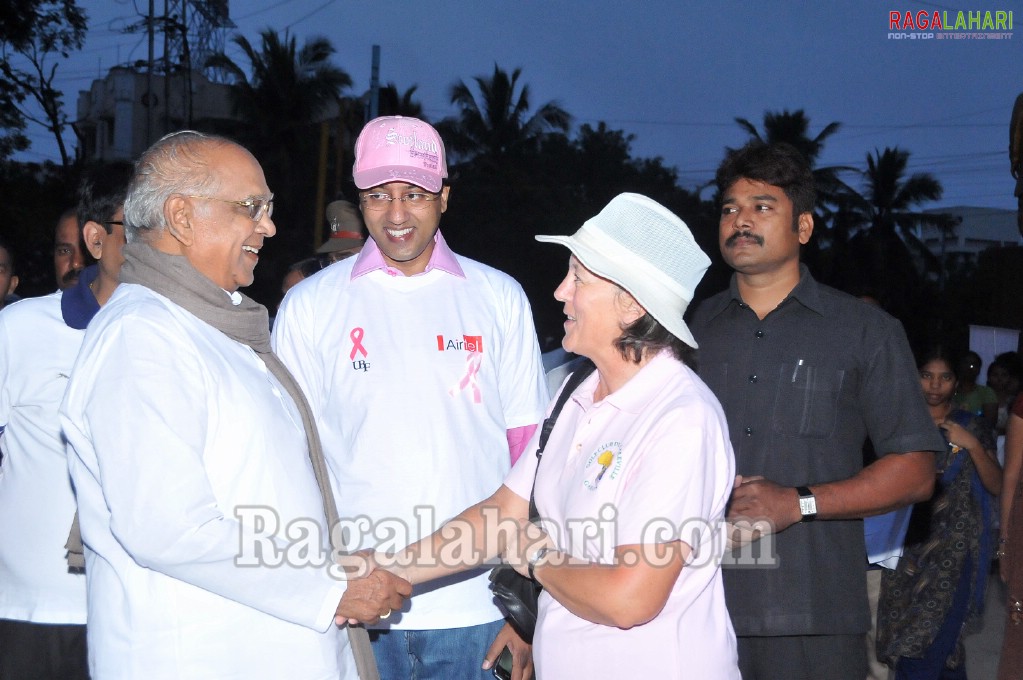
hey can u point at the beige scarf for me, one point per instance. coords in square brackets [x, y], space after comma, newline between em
[176, 279]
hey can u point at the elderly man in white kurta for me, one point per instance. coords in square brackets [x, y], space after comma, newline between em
[182, 428]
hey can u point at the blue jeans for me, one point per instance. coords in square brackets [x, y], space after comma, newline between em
[448, 654]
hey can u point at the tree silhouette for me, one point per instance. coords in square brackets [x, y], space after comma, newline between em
[886, 258]
[891, 201]
[393, 103]
[288, 89]
[498, 122]
[31, 31]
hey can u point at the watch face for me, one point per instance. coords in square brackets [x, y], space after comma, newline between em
[808, 505]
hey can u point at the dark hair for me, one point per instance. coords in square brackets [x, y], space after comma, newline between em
[938, 353]
[647, 335]
[309, 266]
[778, 164]
[6, 247]
[1010, 361]
[102, 191]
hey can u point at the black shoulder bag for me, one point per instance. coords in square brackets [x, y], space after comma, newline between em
[515, 594]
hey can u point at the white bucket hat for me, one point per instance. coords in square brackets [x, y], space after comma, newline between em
[646, 249]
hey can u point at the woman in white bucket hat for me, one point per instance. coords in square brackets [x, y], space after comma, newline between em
[634, 478]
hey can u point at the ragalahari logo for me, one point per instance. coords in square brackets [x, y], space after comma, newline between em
[950, 25]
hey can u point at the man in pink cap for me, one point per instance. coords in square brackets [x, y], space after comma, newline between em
[424, 373]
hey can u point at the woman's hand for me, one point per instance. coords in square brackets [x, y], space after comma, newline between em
[524, 544]
[960, 436]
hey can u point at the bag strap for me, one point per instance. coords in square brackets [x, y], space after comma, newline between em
[581, 372]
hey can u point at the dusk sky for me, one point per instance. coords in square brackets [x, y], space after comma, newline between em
[673, 73]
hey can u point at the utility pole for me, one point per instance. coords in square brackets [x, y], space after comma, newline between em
[374, 85]
[149, 80]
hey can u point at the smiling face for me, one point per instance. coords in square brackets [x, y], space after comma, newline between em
[404, 234]
[225, 240]
[597, 310]
[938, 381]
[756, 231]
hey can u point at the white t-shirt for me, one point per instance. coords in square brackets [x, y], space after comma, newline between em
[650, 463]
[37, 504]
[414, 382]
[173, 431]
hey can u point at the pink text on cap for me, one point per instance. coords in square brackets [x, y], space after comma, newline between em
[398, 148]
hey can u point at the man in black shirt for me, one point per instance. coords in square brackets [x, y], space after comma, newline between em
[805, 374]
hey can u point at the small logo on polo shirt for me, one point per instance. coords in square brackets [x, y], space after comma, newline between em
[469, 343]
[606, 461]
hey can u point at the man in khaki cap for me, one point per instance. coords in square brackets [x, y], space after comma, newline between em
[347, 232]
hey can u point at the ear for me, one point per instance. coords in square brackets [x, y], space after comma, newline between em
[179, 213]
[444, 198]
[94, 235]
[11, 288]
[805, 227]
[631, 310]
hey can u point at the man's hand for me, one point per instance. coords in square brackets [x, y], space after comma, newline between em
[764, 504]
[522, 653]
[367, 600]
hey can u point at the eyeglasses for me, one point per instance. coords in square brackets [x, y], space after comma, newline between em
[414, 200]
[255, 206]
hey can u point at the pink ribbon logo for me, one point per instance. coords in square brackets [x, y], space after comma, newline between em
[472, 368]
[356, 336]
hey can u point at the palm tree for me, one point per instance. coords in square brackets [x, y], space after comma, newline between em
[498, 123]
[393, 103]
[890, 202]
[791, 127]
[289, 88]
[887, 256]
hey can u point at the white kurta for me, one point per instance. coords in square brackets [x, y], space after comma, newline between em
[37, 350]
[172, 428]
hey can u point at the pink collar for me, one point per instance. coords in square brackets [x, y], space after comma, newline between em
[371, 259]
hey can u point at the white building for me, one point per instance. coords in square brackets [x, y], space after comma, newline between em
[118, 117]
[977, 230]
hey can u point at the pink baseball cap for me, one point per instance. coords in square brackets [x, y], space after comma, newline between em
[398, 148]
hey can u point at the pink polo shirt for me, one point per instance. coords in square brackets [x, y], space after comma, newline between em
[443, 258]
[649, 463]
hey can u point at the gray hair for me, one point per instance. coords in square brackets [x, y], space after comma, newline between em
[176, 164]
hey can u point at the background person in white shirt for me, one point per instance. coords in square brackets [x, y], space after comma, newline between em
[42, 604]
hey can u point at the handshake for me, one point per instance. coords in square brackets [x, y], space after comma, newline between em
[372, 592]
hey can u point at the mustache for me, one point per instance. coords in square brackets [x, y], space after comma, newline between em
[71, 276]
[730, 241]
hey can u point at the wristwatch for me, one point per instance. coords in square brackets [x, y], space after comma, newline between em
[807, 504]
[535, 558]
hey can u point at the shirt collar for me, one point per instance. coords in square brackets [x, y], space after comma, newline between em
[807, 292]
[634, 395]
[371, 259]
[78, 304]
